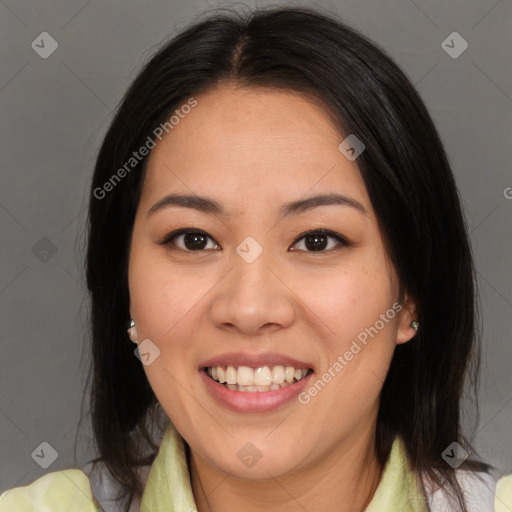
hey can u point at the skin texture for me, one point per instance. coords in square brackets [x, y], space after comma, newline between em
[253, 149]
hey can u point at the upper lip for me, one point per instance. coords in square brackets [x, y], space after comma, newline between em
[254, 360]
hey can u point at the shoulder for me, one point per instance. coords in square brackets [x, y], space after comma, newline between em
[504, 494]
[479, 490]
[91, 488]
[59, 491]
[107, 490]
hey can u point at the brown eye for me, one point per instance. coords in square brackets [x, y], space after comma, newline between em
[190, 240]
[318, 241]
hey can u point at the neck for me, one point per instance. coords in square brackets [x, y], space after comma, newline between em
[344, 480]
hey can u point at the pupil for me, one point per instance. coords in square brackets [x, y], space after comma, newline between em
[194, 237]
[315, 243]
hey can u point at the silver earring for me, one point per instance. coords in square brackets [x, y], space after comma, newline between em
[415, 325]
[132, 331]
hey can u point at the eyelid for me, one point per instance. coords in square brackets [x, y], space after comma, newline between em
[342, 241]
[167, 240]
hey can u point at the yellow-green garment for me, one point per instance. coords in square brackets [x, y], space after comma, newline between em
[168, 487]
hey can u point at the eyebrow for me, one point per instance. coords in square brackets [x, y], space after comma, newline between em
[210, 206]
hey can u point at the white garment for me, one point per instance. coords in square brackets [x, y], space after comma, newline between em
[106, 488]
[479, 491]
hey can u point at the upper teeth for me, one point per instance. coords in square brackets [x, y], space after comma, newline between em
[263, 376]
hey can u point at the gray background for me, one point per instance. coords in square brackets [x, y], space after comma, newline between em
[55, 112]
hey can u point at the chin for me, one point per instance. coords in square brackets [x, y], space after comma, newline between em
[262, 469]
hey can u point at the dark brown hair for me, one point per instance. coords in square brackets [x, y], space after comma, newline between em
[409, 182]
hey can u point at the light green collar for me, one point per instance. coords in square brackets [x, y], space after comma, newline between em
[168, 486]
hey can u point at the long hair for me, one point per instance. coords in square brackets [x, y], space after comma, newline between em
[410, 185]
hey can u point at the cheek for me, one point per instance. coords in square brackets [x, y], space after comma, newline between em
[168, 305]
[347, 301]
[161, 296]
[162, 302]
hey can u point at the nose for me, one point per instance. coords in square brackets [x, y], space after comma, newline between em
[253, 299]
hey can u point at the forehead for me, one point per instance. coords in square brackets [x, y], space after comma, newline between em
[251, 146]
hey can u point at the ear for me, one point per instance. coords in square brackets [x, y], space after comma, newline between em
[408, 313]
[132, 331]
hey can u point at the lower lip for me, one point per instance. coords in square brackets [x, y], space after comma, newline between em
[257, 401]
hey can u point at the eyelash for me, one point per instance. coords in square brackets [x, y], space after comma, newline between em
[168, 241]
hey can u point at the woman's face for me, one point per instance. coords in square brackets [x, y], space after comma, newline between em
[255, 297]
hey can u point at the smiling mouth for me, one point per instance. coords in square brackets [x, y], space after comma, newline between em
[265, 378]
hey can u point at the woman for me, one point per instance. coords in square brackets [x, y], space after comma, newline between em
[273, 213]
